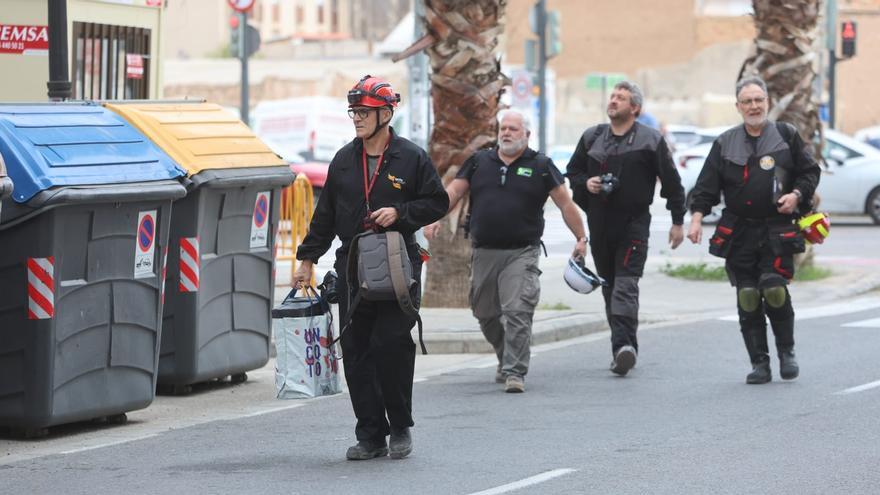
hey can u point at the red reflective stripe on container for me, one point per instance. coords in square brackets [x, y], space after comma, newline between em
[41, 288]
[725, 230]
[189, 264]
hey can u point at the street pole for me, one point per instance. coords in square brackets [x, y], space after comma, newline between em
[831, 44]
[59, 77]
[243, 56]
[832, 88]
[418, 84]
[542, 75]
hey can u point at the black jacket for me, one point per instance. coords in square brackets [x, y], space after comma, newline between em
[754, 173]
[407, 181]
[638, 158]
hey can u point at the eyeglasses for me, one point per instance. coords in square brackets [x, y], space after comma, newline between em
[361, 113]
[503, 170]
[748, 103]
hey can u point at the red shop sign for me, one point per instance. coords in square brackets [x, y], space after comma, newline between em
[134, 66]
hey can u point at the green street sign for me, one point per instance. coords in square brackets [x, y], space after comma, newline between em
[594, 79]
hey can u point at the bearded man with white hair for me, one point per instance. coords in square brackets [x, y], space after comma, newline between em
[508, 187]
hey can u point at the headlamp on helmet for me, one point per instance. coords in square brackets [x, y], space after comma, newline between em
[372, 92]
[580, 278]
[815, 227]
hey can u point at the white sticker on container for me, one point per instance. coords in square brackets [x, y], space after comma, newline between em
[260, 221]
[145, 245]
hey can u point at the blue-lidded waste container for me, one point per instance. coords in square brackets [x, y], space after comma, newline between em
[5, 185]
[83, 240]
[217, 319]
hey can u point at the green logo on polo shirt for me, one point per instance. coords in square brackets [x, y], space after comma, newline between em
[523, 171]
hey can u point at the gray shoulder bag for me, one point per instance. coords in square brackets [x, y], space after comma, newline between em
[380, 264]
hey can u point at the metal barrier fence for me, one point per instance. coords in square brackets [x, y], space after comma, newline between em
[297, 205]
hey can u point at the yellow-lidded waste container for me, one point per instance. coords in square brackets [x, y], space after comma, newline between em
[217, 318]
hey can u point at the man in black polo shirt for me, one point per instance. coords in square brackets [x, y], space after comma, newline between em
[613, 173]
[508, 188]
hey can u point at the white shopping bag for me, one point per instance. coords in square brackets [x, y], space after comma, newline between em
[306, 364]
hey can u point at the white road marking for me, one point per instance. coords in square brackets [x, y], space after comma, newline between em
[860, 388]
[840, 308]
[534, 480]
[108, 444]
[272, 409]
[872, 323]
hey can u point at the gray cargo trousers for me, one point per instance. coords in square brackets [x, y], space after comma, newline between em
[505, 289]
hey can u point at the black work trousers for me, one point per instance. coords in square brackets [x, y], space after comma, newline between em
[755, 263]
[620, 250]
[379, 358]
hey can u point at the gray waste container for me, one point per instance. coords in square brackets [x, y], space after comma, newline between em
[82, 244]
[217, 319]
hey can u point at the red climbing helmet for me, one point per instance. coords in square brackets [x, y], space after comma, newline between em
[372, 92]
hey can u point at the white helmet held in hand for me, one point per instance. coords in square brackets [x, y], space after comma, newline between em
[580, 278]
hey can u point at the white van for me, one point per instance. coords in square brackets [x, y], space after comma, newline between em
[311, 128]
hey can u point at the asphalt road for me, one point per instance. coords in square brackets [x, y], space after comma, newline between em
[682, 422]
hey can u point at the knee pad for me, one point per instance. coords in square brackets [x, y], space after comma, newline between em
[749, 299]
[775, 296]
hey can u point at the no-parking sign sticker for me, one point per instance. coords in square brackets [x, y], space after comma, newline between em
[145, 244]
[260, 221]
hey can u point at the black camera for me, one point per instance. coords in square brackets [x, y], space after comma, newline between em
[610, 183]
[329, 289]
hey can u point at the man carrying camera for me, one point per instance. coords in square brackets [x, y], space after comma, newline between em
[613, 173]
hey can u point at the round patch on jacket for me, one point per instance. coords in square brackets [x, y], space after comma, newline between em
[767, 162]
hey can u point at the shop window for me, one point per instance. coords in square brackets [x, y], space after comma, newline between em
[110, 62]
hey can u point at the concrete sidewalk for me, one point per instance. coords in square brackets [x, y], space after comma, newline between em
[663, 298]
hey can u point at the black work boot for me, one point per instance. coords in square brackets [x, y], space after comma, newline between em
[401, 442]
[788, 365]
[367, 449]
[760, 373]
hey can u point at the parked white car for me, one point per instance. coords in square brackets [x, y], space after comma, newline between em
[850, 182]
[870, 135]
[682, 137]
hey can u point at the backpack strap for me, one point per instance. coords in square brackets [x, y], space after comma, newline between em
[398, 281]
[351, 275]
[785, 131]
[588, 141]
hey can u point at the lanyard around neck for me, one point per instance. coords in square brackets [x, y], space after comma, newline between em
[368, 186]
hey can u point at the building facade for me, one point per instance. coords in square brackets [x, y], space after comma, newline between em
[113, 48]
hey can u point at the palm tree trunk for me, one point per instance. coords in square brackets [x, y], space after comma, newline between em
[785, 56]
[466, 86]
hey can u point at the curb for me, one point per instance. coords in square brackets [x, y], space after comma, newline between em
[471, 341]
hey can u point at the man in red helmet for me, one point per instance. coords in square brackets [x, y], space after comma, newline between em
[767, 175]
[378, 181]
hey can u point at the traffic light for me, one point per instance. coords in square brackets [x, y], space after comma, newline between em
[848, 38]
[554, 36]
[234, 33]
